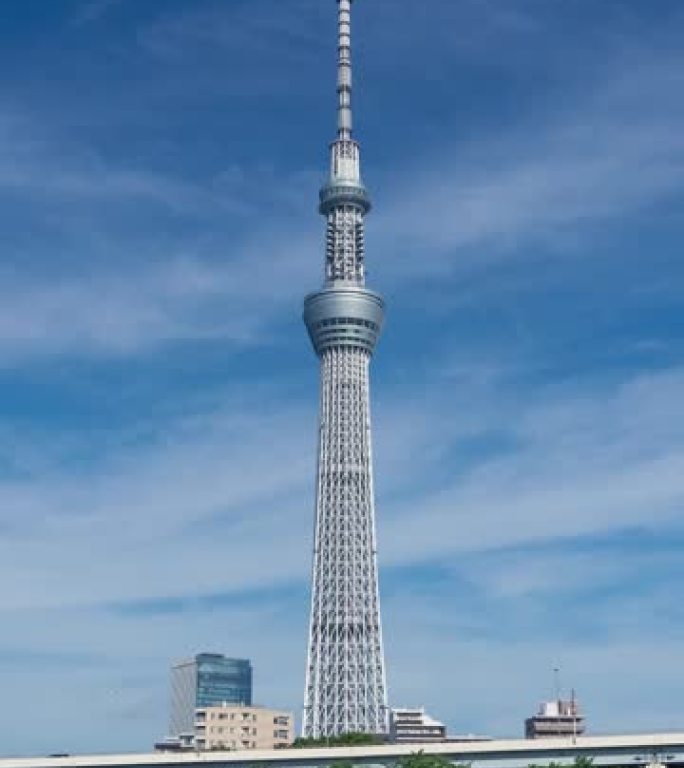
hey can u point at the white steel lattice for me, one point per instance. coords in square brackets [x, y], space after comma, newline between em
[345, 244]
[345, 677]
[345, 688]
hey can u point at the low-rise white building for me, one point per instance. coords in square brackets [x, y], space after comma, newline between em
[415, 726]
[556, 719]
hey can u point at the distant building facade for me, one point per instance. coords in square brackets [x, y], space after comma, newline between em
[206, 680]
[415, 726]
[233, 727]
[559, 718]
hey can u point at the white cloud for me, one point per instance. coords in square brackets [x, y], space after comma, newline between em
[184, 515]
[237, 31]
[129, 311]
[586, 168]
[580, 465]
[595, 162]
[238, 480]
[123, 260]
[92, 10]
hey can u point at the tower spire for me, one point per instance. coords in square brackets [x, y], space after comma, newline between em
[344, 71]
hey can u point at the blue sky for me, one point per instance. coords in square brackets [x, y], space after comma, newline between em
[159, 165]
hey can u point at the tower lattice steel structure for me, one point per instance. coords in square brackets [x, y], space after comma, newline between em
[345, 675]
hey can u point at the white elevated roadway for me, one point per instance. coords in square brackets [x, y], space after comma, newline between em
[628, 750]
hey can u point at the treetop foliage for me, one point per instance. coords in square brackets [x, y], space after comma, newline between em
[578, 762]
[343, 740]
[421, 760]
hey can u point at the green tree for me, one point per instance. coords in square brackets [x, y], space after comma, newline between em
[343, 740]
[579, 762]
[353, 738]
[421, 760]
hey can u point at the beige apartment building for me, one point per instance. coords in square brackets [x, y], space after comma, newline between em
[231, 726]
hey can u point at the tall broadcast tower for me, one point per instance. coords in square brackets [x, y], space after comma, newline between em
[345, 675]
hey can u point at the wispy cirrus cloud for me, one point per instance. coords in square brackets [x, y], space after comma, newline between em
[590, 167]
[237, 30]
[92, 10]
[585, 169]
[586, 465]
[207, 513]
[552, 467]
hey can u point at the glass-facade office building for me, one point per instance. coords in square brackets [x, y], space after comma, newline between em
[206, 680]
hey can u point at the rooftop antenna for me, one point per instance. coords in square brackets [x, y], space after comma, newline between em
[557, 686]
[556, 683]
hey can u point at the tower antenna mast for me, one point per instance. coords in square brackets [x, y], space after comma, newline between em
[344, 72]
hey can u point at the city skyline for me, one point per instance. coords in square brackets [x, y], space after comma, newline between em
[157, 175]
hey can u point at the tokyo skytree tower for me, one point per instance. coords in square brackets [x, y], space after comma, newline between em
[345, 674]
